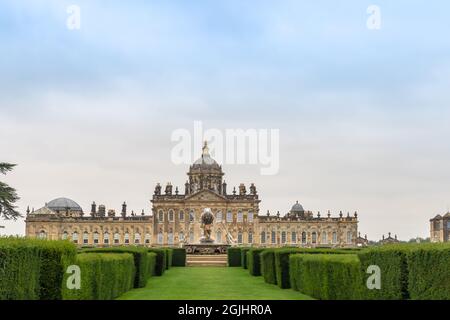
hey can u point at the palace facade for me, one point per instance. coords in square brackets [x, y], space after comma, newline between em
[175, 218]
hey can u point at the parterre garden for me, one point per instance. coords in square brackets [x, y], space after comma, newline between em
[407, 271]
[32, 269]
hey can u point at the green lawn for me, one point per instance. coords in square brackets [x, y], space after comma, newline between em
[208, 283]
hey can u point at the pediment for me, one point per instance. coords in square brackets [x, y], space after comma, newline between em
[205, 195]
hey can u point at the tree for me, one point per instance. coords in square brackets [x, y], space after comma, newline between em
[8, 195]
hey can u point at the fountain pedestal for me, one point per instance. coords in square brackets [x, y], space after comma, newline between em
[206, 248]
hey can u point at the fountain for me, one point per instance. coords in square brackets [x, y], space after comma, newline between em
[207, 244]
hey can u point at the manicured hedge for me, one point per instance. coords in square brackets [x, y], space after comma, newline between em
[33, 268]
[268, 266]
[141, 261]
[254, 261]
[179, 257]
[151, 263]
[244, 257]
[161, 260]
[429, 272]
[328, 276]
[169, 254]
[234, 257]
[104, 276]
[282, 261]
[391, 259]
[19, 269]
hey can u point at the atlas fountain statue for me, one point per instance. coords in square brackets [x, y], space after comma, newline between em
[207, 244]
[207, 220]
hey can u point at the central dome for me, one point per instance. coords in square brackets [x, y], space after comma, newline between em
[297, 207]
[205, 161]
[63, 204]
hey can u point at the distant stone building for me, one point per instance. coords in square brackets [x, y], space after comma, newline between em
[389, 239]
[440, 228]
[175, 218]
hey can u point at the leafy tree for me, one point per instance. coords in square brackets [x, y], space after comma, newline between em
[8, 195]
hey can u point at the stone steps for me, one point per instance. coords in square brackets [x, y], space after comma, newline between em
[218, 260]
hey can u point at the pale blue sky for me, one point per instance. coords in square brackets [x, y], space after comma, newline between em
[363, 114]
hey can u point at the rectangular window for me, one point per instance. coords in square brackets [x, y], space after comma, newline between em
[250, 217]
[274, 237]
[229, 216]
[181, 216]
[239, 237]
[240, 216]
[294, 237]
[324, 237]
[349, 237]
[250, 237]
[283, 237]
[263, 237]
[334, 237]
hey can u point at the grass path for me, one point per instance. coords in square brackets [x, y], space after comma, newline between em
[208, 283]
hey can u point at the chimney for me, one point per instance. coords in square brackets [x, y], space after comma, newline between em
[224, 188]
[124, 209]
[93, 208]
[101, 210]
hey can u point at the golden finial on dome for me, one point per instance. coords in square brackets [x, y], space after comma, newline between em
[205, 149]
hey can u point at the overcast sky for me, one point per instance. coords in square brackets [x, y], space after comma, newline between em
[363, 114]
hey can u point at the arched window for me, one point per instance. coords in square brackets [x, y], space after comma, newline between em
[349, 237]
[116, 238]
[294, 237]
[106, 238]
[263, 237]
[95, 237]
[181, 236]
[65, 235]
[219, 216]
[239, 237]
[240, 216]
[171, 216]
[181, 216]
[324, 237]
[160, 238]
[250, 217]
[191, 237]
[85, 237]
[137, 238]
[170, 237]
[314, 237]
[191, 216]
[42, 235]
[283, 236]
[75, 237]
[335, 237]
[219, 236]
[229, 216]
[303, 237]
[250, 237]
[161, 216]
[274, 237]
[126, 238]
[147, 238]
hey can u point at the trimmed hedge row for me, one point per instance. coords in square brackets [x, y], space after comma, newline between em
[254, 261]
[327, 276]
[267, 258]
[169, 255]
[281, 256]
[161, 260]
[429, 272]
[244, 257]
[409, 271]
[33, 268]
[234, 256]
[104, 276]
[179, 257]
[151, 256]
[141, 261]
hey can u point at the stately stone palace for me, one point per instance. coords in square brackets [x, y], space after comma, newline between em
[175, 218]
